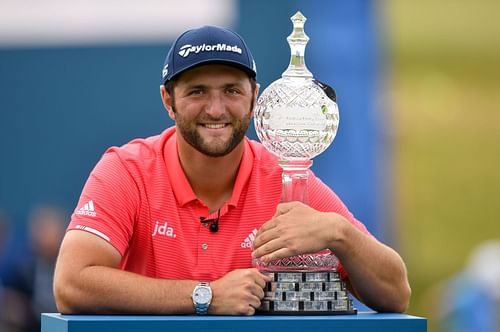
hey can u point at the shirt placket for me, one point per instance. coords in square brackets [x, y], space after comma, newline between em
[203, 245]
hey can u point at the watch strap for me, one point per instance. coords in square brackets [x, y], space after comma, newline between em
[201, 309]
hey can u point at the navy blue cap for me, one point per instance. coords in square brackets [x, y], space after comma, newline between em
[207, 44]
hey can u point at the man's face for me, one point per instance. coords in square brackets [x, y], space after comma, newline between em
[212, 108]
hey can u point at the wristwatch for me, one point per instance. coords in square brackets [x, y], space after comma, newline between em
[202, 296]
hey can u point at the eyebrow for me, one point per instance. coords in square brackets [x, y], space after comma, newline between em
[195, 86]
[204, 86]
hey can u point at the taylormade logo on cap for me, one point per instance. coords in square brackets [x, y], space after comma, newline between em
[205, 45]
[188, 49]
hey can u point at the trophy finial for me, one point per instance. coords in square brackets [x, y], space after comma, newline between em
[297, 41]
[298, 17]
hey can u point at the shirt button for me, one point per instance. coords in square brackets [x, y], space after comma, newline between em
[204, 246]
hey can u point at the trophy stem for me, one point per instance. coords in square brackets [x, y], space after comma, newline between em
[294, 180]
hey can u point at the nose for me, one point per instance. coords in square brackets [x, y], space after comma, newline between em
[215, 106]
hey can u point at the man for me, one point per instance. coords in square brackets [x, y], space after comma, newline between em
[164, 224]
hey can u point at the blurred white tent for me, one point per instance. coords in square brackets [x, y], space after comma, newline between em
[88, 22]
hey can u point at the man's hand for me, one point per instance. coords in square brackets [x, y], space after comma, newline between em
[295, 229]
[94, 284]
[377, 274]
[238, 292]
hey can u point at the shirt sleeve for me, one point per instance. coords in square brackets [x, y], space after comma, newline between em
[109, 202]
[322, 198]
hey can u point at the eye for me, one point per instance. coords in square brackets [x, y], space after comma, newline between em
[232, 91]
[195, 92]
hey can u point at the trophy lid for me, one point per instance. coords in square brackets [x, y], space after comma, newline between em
[297, 41]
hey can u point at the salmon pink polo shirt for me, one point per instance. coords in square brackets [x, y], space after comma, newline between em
[138, 199]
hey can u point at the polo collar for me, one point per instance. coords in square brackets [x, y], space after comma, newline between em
[180, 184]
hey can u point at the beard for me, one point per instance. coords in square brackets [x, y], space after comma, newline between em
[217, 147]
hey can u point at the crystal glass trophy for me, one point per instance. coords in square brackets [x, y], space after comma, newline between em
[296, 118]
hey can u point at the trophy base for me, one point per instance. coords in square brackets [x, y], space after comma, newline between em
[306, 293]
[270, 310]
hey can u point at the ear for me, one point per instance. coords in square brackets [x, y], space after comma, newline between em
[256, 94]
[167, 102]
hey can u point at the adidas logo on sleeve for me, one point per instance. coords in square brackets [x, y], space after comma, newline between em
[87, 209]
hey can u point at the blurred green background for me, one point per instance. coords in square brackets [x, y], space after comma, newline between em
[443, 85]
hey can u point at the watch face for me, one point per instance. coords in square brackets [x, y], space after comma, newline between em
[202, 295]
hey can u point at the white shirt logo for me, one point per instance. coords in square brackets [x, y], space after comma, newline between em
[247, 243]
[187, 49]
[87, 209]
[163, 230]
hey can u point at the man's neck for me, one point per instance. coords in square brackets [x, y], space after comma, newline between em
[212, 178]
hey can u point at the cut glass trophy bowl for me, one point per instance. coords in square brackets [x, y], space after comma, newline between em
[296, 118]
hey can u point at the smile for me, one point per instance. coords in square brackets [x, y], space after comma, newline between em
[214, 125]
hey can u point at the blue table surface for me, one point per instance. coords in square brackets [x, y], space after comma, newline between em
[363, 321]
[359, 316]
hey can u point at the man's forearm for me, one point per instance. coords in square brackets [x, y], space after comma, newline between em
[101, 289]
[376, 272]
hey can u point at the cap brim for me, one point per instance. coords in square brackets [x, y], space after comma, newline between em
[226, 62]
